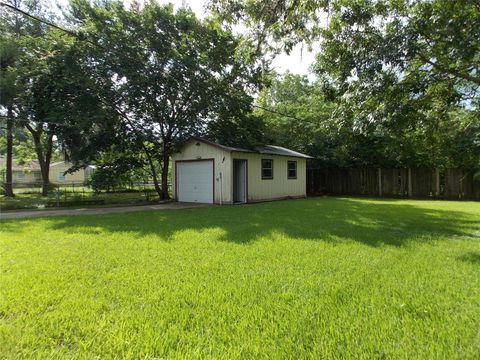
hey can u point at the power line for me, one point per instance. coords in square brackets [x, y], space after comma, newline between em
[277, 113]
[38, 19]
[48, 23]
[78, 36]
[42, 122]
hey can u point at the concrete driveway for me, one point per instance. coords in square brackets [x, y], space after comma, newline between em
[96, 211]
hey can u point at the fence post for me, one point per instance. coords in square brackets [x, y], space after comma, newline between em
[437, 182]
[410, 182]
[460, 188]
[145, 192]
[313, 186]
[379, 182]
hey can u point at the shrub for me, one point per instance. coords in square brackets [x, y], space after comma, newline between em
[104, 179]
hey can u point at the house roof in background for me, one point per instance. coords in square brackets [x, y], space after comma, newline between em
[266, 149]
[31, 166]
[59, 163]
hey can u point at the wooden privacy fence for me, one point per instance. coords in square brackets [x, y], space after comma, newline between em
[411, 182]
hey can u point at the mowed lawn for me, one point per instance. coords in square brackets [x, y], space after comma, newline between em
[321, 278]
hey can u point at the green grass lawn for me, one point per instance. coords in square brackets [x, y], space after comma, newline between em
[322, 278]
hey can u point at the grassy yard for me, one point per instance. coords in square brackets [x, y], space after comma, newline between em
[318, 278]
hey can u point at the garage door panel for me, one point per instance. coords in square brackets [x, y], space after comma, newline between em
[195, 181]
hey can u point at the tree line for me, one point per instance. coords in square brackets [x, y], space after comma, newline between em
[396, 83]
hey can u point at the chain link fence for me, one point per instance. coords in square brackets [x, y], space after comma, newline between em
[28, 195]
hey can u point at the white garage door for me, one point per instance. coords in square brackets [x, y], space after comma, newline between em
[195, 181]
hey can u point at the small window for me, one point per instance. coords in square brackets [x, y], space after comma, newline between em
[61, 176]
[37, 176]
[267, 169]
[20, 175]
[292, 169]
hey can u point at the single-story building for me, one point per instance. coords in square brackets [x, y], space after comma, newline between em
[30, 173]
[57, 173]
[25, 173]
[207, 172]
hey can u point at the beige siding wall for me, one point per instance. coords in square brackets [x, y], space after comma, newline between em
[258, 189]
[24, 177]
[77, 176]
[34, 176]
[278, 187]
[204, 151]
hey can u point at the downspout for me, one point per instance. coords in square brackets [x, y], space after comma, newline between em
[221, 189]
[221, 182]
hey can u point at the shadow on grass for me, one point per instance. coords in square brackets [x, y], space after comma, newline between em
[471, 257]
[318, 219]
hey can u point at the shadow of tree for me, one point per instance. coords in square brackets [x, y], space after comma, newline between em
[471, 257]
[319, 219]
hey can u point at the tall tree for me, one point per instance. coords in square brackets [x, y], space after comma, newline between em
[300, 113]
[39, 103]
[10, 26]
[404, 69]
[31, 69]
[401, 73]
[273, 26]
[8, 92]
[167, 75]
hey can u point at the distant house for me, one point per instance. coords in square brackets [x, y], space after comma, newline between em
[30, 173]
[26, 173]
[206, 172]
[57, 173]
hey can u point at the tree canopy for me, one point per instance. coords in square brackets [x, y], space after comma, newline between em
[401, 77]
[165, 74]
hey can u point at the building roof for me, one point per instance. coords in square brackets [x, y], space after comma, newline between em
[30, 166]
[278, 150]
[266, 149]
[56, 163]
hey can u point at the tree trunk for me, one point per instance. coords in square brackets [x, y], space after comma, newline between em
[154, 174]
[45, 170]
[9, 171]
[165, 166]
[43, 158]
